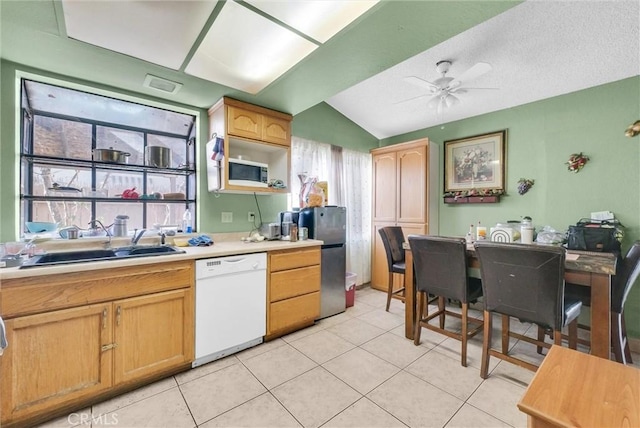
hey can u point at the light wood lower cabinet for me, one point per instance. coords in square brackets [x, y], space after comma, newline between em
[293, 290]
[74, 353]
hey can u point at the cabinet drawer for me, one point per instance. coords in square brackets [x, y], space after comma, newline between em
[294, 259]
[294, 282]
[294, 311]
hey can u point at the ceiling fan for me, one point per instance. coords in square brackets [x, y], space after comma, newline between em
[444, 89]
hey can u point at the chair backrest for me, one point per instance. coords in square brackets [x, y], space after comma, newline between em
[626, 276]
[440, 265]
[392, 239]
[523, 281]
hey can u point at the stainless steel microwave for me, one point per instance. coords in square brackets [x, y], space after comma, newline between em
[248, 173]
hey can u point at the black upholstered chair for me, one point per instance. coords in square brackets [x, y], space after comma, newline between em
[525, 282]
[627, 273]
[392, 239]
[440, 269]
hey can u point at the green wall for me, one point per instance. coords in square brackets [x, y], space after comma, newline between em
[541, 136]
[324, 124]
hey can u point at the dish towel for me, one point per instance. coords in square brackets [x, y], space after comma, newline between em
[201, 241]
[218, 149]
[3, 337]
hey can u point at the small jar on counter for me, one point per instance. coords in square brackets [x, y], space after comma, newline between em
[293, 232]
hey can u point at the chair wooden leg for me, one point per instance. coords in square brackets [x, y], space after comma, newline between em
[441, 309]
[505, 334]
[557, 337]
[464, 338]
[540, 339]
[486, 345]
[417, 328]
[573, 334]
[389, 290]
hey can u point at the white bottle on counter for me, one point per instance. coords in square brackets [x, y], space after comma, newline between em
[187, 226]
[526, 231]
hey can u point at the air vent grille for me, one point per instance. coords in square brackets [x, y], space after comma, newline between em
[160, 84]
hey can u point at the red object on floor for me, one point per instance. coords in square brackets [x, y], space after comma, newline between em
[351, 296]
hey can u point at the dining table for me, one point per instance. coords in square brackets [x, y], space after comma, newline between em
[585, 268]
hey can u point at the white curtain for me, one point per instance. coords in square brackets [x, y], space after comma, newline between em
[348, 174]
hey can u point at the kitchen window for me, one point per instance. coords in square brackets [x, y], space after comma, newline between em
[65, 177]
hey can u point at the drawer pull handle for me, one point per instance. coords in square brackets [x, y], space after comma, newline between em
[104, 318]
[118, 313]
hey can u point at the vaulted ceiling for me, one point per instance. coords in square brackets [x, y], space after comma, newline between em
[536, 49]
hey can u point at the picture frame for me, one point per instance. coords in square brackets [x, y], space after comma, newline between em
[475, 165]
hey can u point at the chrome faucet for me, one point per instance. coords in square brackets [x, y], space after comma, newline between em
[137, 235]
[95, 223]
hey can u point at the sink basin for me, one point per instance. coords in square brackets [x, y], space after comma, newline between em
[98, 255]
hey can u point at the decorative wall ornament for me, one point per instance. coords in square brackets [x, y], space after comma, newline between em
[633, 130]
[524, 184]
[576, 162]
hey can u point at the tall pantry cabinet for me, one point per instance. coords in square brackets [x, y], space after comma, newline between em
[405, 194]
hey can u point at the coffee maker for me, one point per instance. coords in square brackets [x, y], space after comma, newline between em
[286, 219]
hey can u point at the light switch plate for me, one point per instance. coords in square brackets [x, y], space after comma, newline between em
[227, 217]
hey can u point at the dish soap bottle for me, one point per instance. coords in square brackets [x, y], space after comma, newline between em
[470, 235]
[186, 222]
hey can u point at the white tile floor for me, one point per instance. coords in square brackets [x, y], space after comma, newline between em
[355, 369]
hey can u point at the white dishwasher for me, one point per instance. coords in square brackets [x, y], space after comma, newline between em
[231, 305]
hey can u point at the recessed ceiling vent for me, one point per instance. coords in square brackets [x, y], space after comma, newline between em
[160, 84]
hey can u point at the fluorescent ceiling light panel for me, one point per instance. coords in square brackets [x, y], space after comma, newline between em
[161, 32]
[318, 19]
[246, 51]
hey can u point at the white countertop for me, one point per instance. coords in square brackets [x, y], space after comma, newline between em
[218, 249]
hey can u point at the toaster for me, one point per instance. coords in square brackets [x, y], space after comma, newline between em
[270, 231]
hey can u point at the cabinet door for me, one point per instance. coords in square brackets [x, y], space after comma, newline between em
[153, 333]
[276, 130]
[412, 189]
[384, 187]
[244, 123]
[45, 366]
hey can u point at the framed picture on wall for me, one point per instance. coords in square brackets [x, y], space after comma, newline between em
[476, 163]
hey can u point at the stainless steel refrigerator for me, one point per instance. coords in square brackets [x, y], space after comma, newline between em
[329, 224]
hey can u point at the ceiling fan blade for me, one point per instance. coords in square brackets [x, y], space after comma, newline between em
[421, 82]
[411, 99]
[473, 73]
[464, 89]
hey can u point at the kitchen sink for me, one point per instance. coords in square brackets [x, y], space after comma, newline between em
[80, 256]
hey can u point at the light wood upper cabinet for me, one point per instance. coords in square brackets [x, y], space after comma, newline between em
[254, 133]
[384, 183]
[411, 191]
[244, 123]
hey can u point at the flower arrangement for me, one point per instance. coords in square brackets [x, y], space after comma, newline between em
[576, 162]
[474, 192]
[524, 184]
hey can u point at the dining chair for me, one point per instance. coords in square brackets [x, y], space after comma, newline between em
[392, 239]
[524, 282]
[627, 272]
[440, 269]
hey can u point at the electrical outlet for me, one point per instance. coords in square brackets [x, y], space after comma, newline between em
[251, 217]
[227, 217]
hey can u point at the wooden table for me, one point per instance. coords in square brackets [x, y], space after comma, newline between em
[589, 269]
[573, 389]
